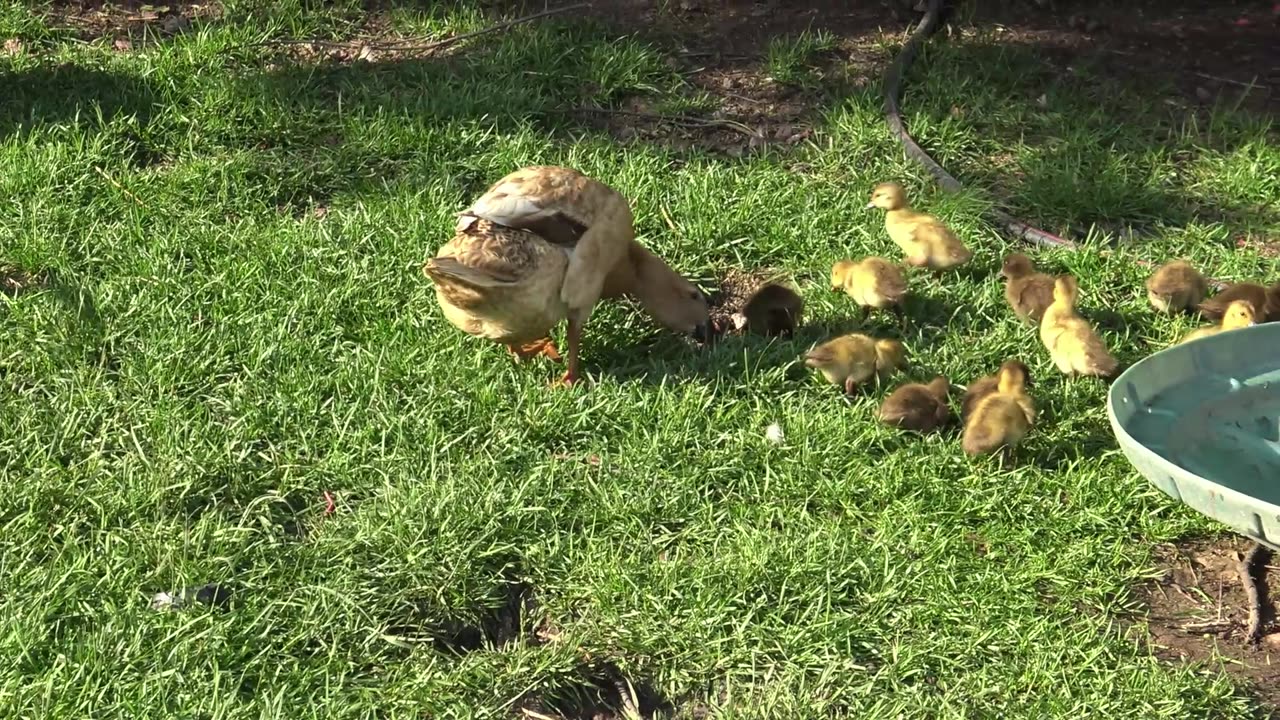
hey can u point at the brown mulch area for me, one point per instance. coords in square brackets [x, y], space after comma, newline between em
[1211, 52]
[1197, 612]
[129, 23]
[15, 281]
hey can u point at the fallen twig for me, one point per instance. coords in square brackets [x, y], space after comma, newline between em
[1251, 85]
[428, 47]
[118, 186]
[685, 120]
[1206, 626]
[1249, 578]
[627, 698]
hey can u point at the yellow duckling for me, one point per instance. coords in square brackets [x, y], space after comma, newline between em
[538, 248]
[979, 389]
[850, 360]
[1002, 418]
[1239, 314]
[872, 283]
[1072, 343]
[924, 240]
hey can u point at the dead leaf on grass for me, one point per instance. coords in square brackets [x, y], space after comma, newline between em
[123, 44]
[13, 46]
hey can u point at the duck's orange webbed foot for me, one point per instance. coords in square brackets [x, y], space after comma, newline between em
[568, 380]
[545, 347]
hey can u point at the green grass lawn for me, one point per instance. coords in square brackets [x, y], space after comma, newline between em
[210, 354]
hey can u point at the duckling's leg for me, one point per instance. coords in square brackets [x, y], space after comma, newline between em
[850, 385]
[1007, 458]
[900, 315]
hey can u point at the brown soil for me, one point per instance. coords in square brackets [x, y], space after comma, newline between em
[129, 22]
[761, 297]
[15, 281]
[1210, 52]
[1197, 612]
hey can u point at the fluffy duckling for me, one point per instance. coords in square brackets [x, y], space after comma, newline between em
[984, 386]
[1028, 292]
[1176, 286]
[1266, 301]
[853, 359]
[917, 406]
[1003, 417]
[539, 247]
[1072, 343]
[773, 310]
[1239, 314]
[872, 283]
[924, 240]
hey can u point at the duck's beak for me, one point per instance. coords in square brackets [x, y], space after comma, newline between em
[870, 205]
[701, 332]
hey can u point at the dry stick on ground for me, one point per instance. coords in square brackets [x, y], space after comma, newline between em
[627, 698]
[1253, 560]
[676, 119]
[118, 186]
[428, 47]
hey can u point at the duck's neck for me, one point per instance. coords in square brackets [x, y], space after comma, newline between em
[624, 276]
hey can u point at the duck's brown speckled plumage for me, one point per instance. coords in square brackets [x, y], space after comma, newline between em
[542, 245]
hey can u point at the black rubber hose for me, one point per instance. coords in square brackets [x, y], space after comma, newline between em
[893, 115]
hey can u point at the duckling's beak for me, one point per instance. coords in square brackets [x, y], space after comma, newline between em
[870, 205]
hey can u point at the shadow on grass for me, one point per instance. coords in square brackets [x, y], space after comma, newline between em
[58, 94]
[317, 127]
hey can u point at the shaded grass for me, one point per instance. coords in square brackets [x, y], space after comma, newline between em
[212, 356]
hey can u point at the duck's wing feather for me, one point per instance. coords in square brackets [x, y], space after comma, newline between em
[485, 255]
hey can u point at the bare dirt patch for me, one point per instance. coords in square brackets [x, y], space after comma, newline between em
[15, 281]
[1198, 612]
[722, 51]
[128, 22]
[1211, 52]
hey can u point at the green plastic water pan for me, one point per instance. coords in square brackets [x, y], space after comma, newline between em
[1201, 421]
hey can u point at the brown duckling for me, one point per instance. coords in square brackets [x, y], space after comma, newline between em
[850, 360]
[923, 238]
[917, 406]
[984, 386]
[1266, 301]
[1176, 286]
[1028, 292]
[772, 310]
[1239, 314]
[1003, 418]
